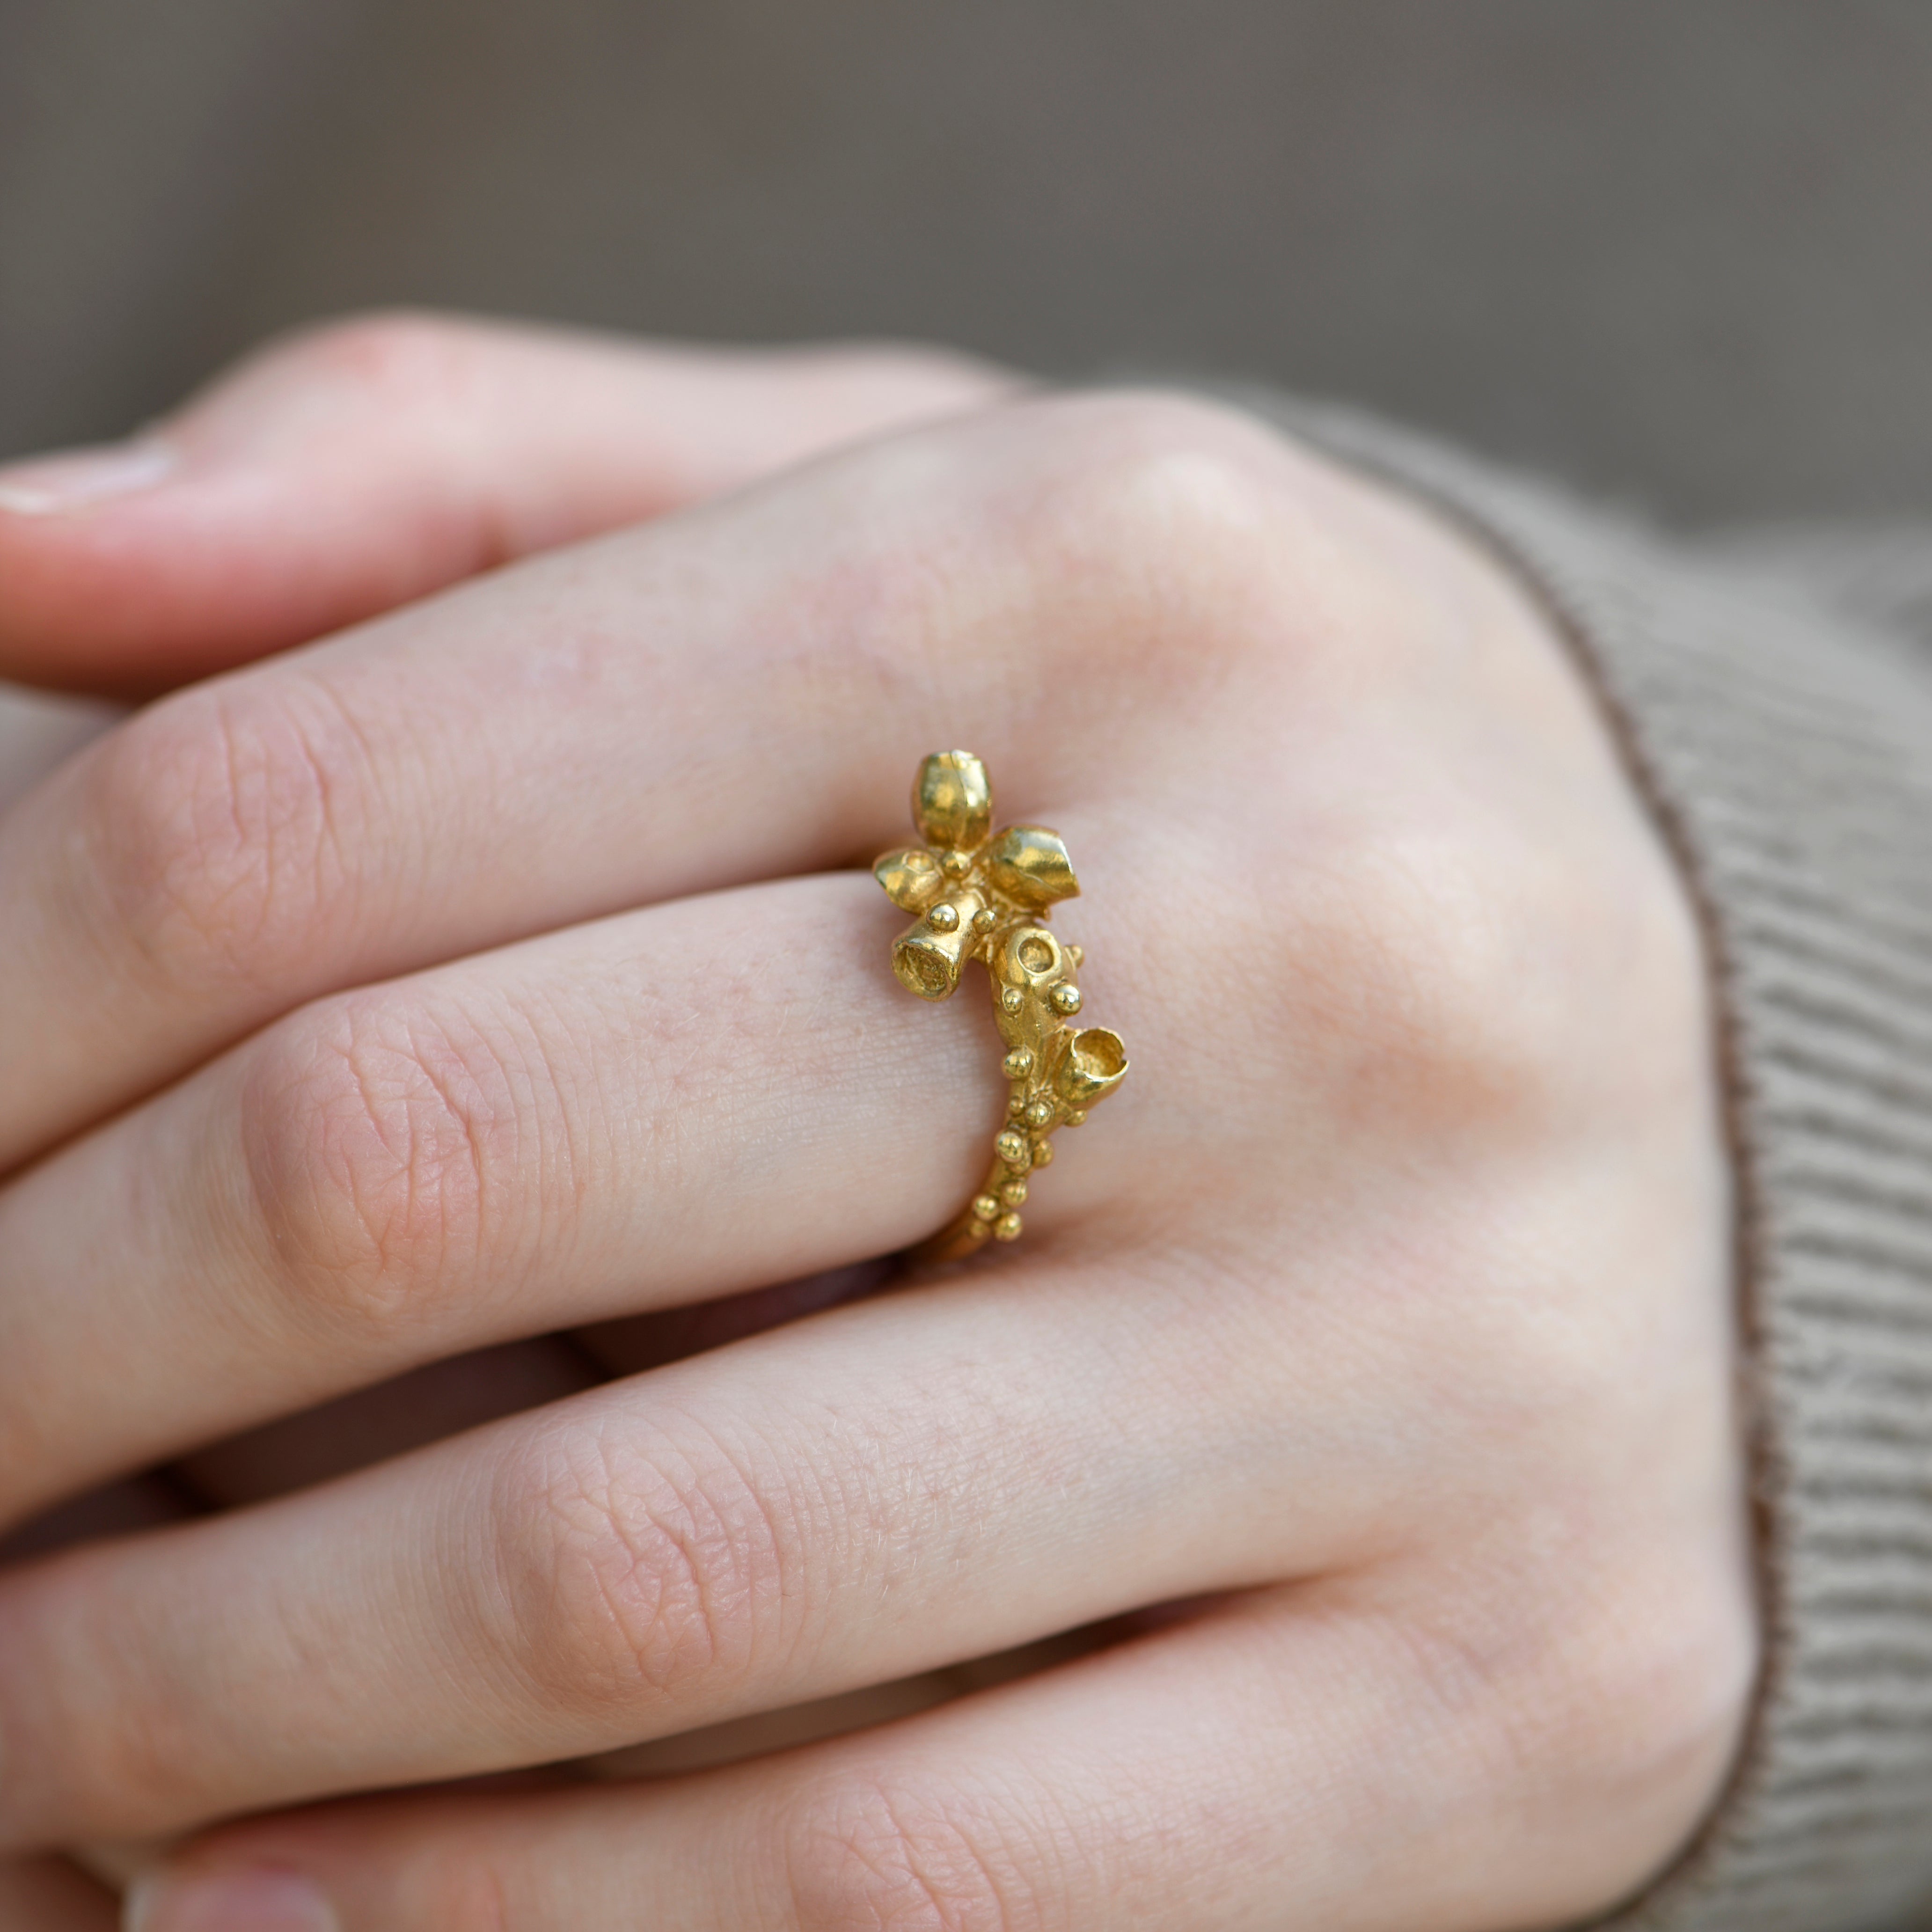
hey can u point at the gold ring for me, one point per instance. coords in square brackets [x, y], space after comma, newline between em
[987, 895]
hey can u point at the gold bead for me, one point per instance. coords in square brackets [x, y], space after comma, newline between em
[1077, 1118]
[1018, 1064]
[1039, 1112]
[1013, 1194]
[1006, 1227]
[1010, 999]
[956, 864]
[1017, 1104]
[1043, 1152]
[945, 918]
[1066, 996]
[984, 919]
[1014, 1149]
[985, 1208]
[1077, 954]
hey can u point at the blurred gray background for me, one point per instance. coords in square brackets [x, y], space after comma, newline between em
[1680, 250]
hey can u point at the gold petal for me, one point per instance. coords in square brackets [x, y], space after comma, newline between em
[952, 801]
[911, 876]
[1029, 864]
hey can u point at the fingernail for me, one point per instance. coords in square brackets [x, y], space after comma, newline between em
[246, 1901]
[53, 486]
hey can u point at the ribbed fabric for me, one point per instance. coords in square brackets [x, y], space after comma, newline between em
[1774, 697]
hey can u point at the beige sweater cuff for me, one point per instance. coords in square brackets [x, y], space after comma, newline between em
[1781, 729]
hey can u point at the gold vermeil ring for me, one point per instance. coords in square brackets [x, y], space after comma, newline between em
[986, 895]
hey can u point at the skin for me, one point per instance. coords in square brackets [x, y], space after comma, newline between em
[485, 970]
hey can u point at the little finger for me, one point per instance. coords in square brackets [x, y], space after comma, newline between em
[1280, 1764]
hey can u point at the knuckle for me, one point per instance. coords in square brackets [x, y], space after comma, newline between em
[638, 1571]
[1647, 1695]
[1432, 958]
[1482, 973]
[864, 1855]
[221, 823]
[1623, 1698]
[371, 1133]
[385, 355]
[1173, 507]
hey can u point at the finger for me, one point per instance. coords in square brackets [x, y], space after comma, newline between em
[359, 466]
[865, 1495]
[654, 1109]
[1281, 1764]
[726, 696]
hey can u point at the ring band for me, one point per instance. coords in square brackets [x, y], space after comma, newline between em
[986, 895]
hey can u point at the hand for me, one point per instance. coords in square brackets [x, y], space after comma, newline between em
[1382, 1318]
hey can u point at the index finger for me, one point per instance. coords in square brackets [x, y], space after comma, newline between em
[355, 467]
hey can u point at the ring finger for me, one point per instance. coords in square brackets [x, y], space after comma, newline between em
[654, 1109]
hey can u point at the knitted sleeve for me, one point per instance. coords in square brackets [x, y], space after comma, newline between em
[1773, 697]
